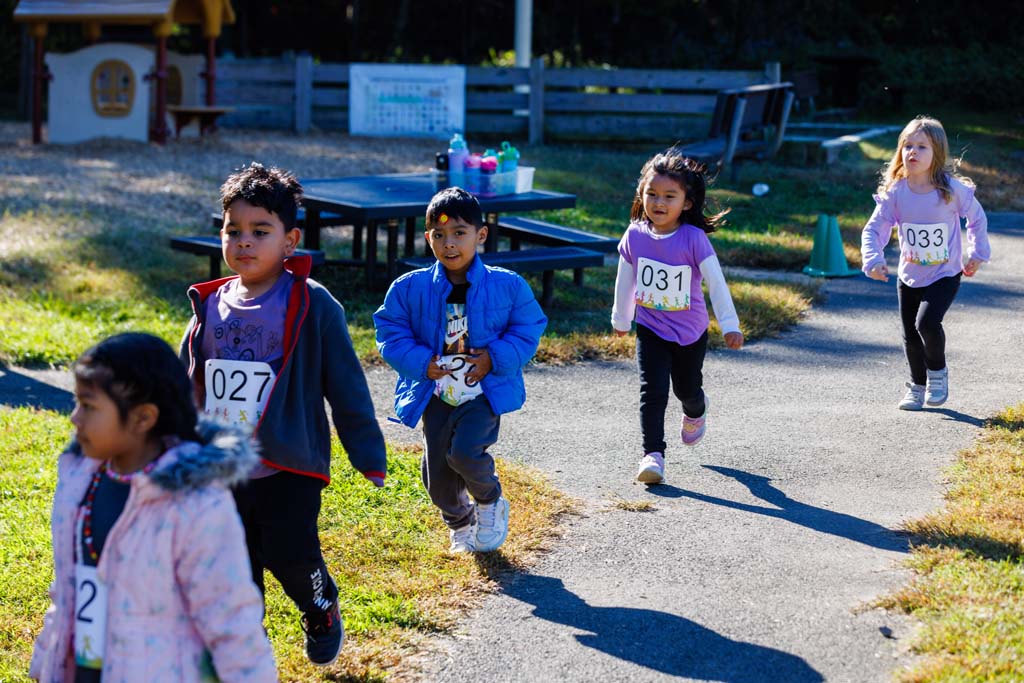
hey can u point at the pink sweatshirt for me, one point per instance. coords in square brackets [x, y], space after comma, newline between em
[176, 568]
[929, 232]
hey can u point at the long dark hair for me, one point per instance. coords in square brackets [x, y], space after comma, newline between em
[691, 176]
[133, 368]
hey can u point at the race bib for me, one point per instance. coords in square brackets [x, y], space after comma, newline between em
[925, 244]
[662, 287]
[90, 617]
[455, 389]
[237, 390]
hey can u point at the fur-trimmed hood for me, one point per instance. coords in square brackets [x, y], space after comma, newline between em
[225, 455]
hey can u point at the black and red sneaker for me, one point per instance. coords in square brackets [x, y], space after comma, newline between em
[325, 635]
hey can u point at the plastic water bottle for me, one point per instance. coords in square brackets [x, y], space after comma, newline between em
[471, 166]
[488, 171]
[508, 163]
[457, 154]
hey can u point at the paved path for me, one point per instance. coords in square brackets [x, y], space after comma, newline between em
[768, 535]
[772, 531]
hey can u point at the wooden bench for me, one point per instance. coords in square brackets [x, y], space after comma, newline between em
[533, 231]
[545, 260]
[209, 245]
[748, 123]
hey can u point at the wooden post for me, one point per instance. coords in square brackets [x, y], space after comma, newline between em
[39, 76]
[303, 92]
[210, 74]
[773, 72]
[536, 129]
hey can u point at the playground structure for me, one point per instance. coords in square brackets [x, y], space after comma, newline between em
[118, 101]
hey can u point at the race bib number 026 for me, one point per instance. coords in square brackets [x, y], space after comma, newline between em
[925, 244]
[237, 390]
[661, 286]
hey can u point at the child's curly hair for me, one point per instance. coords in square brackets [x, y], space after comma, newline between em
[273, 189]
[692, 178]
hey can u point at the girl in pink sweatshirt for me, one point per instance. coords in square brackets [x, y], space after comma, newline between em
[920, 195]
[151, 573]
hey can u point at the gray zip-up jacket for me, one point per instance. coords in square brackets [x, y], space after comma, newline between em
[319, 362]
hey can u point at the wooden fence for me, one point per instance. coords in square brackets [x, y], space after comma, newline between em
[534, 103]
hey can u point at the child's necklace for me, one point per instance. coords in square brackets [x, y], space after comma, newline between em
[90, 499]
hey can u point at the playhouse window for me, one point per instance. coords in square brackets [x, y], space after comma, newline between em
[113, 88]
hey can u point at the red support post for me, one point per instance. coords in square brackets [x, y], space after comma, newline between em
[39, 76]
[160, 126]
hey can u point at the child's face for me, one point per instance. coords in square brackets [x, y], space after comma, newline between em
[917, 153]
[98, 426]
[255, 245]
[454, 243]
[664, 202]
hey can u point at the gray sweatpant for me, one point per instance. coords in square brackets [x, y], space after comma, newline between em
[455, 462]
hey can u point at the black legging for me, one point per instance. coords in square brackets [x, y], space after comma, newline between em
[921, 311]
[658, 360]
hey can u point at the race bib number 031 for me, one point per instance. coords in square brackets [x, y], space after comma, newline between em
[661, 286]
[237, 390]
[925, 244]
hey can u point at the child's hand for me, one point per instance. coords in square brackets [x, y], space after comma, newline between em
[434, 370]
[879, 272]
[734, 340]
[481, 362]
[971, 267]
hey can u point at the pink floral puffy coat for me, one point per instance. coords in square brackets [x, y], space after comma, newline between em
[176, 568]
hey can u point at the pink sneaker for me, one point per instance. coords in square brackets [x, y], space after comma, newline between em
[693, 428]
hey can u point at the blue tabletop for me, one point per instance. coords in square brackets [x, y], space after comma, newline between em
[363, 198]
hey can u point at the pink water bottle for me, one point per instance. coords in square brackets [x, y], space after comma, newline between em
[488, 184]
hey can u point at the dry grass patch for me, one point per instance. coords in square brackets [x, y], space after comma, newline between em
[969, 585]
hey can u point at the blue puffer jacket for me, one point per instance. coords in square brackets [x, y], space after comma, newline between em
[504, 317]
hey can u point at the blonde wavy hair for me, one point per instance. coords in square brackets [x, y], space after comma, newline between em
[943, 167]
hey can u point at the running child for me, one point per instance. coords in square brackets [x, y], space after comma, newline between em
[459, 334]
[922, 197]
[663, 257]
[151, 577]
[265, 348]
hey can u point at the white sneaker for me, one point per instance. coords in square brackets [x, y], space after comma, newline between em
[914, 398]
[463, 539]
[937, 390]
[652, 469]
[491, 525]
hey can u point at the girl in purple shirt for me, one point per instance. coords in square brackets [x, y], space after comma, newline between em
[663, 256]
[920, 195]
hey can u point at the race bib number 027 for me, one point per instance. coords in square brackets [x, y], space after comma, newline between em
[237, 390]
[925, 244]
[661, 286]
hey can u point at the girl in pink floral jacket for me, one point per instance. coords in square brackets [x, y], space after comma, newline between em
[151, 573]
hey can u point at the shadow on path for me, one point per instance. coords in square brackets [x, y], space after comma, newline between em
[657, 640]
[818, 519]
[20, 391]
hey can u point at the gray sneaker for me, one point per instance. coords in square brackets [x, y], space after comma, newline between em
[491, 525]
[463, 539]
[914, 398]
[937, 390]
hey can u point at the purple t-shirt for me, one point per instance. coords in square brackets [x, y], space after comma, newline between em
[929, 232]
[248, 330]
[666, 279]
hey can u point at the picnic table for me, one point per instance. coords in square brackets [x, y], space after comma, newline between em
[368, 202]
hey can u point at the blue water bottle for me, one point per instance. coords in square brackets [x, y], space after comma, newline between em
[472, 171]
[457, 154]
[508, 163]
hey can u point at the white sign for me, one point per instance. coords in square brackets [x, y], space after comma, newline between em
[237, 390]
[418, 100]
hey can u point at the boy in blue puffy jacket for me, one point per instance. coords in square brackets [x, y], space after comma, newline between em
[459, 334]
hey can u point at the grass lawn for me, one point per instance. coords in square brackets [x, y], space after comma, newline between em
[969, 562]
[386, 548]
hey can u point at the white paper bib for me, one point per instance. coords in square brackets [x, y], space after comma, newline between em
[925, 244]
[455, 389]
[90, 617]
[237, 390]
[661, 286]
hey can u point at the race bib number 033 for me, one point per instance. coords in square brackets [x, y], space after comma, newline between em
[925, 244]
[237, 390]
[661, 286]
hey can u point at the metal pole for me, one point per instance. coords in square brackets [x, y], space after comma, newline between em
[524, 35]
